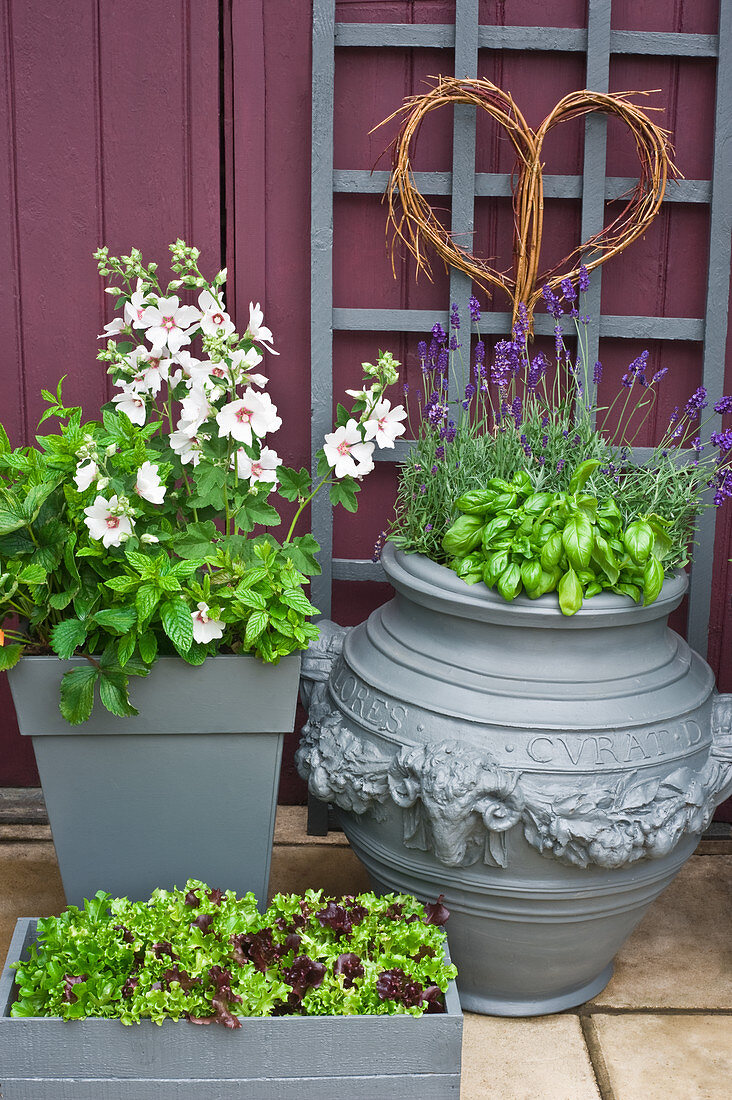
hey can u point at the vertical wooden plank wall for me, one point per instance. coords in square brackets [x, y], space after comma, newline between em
[110, 131]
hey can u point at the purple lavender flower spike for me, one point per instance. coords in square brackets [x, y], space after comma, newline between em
[552, 302]
[422, 349]
[584, 278]
[438, 333]
[570, 294]
[560, 465]
[521, 327]
[597, 373]
[454, 316]
[454, 345]
[697, 402]
[724, 405]
[474, 307]
[723, 440]
[659, 375]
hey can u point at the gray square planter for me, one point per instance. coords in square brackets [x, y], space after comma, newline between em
[323, 1057]
[187, 789]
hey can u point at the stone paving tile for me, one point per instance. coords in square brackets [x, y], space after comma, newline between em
[660, 1057]
[680, 955]
[544, 1058]
[30, 885]
[295, 868]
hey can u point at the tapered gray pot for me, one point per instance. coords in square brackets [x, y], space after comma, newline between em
[548, 774]
[187, 789]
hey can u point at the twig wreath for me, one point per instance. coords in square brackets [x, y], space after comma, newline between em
[416, 224]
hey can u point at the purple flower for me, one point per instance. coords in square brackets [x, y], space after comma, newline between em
[674, 416]
[552, 302]
[545, 420]
[439, 452]
[659, 375]
[423, 489]
[516, 410]
[537, 370]
[584, 278]
[597, 374]
[560, 465]
[480, 352]
[438, 333]
[379, 546]
[506, 362]
[724, 405]
[405, 389]
[544, 440]
[723, 440]
[422, 349]
[570, 294]
[443, 362]
[521, 326]
[454, 343]
[722, 482]
[474, 307]
[697, 402]
[454, 316]
[470, 391]
[428, 526]
[558, 340]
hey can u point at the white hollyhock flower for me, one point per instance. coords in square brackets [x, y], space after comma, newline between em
[131, 404]
[106, 521]
[253, 415]
[204, 628]
[195, 407]
[169, 323]
[112, 328]
[148, 484]
[241, 364]
[257, 330]
[86, 475]
[362, 395]
[346, 451]
[186, 444]
[259, 469]
[215, 320]
[136, 306]
[383, 424]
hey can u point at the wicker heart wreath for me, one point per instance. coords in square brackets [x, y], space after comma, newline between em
[415, 223]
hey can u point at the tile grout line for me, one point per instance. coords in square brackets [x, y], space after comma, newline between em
[597, 1058]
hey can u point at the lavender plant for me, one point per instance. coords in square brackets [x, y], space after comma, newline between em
[521, 412]
[141, 533]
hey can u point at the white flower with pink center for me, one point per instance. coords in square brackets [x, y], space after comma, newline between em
[169, 323]
[86, 474]
[259, 469]
[253, 415]
[257, 329]
[131, 404]
[215, 320]
[148, 484]
[347, 453]
[107, 521]
[195, 408]
[151, 369]
[205, 629]
[383, 424]
[186, 443]
[136, 306]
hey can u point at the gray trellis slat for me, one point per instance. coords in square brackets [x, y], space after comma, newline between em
[465, 37]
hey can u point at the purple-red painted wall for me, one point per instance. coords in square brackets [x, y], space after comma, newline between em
[120, 129]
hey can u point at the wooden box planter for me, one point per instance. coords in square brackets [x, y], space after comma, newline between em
[303, 1057]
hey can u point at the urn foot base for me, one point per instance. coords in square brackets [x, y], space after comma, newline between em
[487, 1005]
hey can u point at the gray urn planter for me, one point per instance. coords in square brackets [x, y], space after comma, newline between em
[549, 775]
[187, 789]
[323, 1057]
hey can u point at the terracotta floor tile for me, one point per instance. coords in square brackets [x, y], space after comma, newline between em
[680, 956]
[540, 1059]
[658, 1057]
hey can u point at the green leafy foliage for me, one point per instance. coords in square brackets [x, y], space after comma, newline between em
[206, 955]
[517, 540]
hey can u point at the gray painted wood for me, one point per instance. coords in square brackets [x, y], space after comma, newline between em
[593, 167]
[487, 184]
[717, 304]
[561, 39]
[321, 281]
[360, 1056]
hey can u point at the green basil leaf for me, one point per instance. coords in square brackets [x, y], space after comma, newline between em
[509, 582]
[581, 474]
[638, 538]
[652, 579]
[531, 574]
[552, 551]
[570, 593]
[464, 535]
[578, 539]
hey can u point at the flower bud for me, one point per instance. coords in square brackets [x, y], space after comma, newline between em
[111, 450]
[102, 483]
[149, 539]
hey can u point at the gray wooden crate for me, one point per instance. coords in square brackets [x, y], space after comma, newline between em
[362, 1057]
